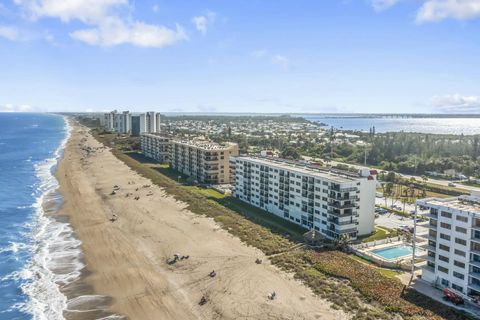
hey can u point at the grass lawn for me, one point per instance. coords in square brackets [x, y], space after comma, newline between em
[379, 234]
[209, 193]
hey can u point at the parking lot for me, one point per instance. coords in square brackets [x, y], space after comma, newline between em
[393, 221]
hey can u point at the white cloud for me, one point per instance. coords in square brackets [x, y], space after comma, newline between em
[202, 23]
[87, 11]
[107, 27]
[114, 31]
[9, 33]
[16, 108]
[281, 61]
[380, 5]
[156, 8]
[436, 10]
[456, 103]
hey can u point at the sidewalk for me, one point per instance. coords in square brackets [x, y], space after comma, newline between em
[437, 294]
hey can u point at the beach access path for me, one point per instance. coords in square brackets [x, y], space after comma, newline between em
[129, 236]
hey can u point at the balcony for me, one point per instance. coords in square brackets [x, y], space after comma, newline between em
[340, 197]
[344, 189]
[474, 275]
[475, 263]
[429, 268]
[430, 258]
[338, 205]
[476, 224]
[475, 236]
[431, 237]
[474, 285]
[338, 213]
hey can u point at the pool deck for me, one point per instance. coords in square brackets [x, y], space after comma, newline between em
[403, 262]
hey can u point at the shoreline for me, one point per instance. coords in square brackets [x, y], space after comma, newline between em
[126, 259]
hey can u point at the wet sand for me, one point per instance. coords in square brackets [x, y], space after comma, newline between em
[126, 260]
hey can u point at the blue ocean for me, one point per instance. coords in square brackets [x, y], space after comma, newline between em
[30, 146]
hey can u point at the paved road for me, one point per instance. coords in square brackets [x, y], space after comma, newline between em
[419, 178]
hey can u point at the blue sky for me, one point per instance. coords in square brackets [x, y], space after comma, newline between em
[240, 55]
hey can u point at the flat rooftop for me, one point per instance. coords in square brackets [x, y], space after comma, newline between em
[464, 203]
[305, 168]
[204, 144]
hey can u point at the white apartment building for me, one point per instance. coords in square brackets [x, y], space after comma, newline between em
[126, 123]
[203, 161]
[123, 122]
[156, 146]
[109, 120]
[335, 203]
[148, 122]
[453, 247]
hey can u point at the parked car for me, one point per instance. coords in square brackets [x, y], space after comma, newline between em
[405, 228]
[449, 295]
[451, 184]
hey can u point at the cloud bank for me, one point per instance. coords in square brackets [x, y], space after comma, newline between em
[437, 10]
[107, 26]
[456, 103]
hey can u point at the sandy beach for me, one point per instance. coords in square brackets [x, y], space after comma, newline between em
[126, 259]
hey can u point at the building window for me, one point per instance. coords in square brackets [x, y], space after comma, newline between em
[459, 264]
[444, 247]
[445, 225]
[442, 269]
[444, 236]
[456, 287]
[443, 258]
[461, 230]
[458, 275]
[462, 218]
[446, 214]
[460, 253]
[461, 241]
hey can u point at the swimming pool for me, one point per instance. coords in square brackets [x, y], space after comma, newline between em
[392, 253]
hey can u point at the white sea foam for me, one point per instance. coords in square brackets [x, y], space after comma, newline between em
[14, 247]
[41, 283]
[57, 256]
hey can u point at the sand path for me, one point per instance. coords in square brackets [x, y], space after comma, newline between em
[126, 259]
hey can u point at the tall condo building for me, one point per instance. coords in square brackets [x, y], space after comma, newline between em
[157, 123]
[156, 146]
[335, 203]
[123, 123]
[204, 161]
[148, 122]
[135, 125]
[109, 120]
[127, 123]
[453, 247]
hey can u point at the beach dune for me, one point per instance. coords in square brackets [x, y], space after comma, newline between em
[127, 243]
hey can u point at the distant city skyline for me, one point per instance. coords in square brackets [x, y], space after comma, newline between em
[269, 56]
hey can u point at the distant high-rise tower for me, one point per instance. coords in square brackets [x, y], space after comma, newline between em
[147, 122]
[157, 123]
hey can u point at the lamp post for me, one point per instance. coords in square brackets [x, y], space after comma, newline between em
[414, 240]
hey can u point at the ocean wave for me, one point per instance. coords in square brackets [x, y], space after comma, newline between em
[57, 259]
[56, 256]
[14, 247]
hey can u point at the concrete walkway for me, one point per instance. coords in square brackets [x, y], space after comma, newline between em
[437, 294]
